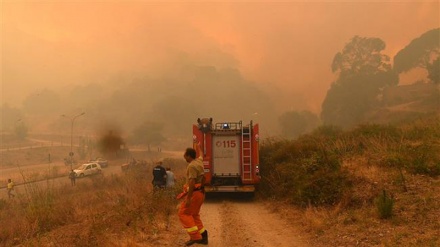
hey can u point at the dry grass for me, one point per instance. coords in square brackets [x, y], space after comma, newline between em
[99, 211]
[122, 210]
[415, 221]
[402, 161]
[96, 212]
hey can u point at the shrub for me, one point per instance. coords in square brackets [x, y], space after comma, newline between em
[377, 130]
[323, 187]
[308, 170]
[384, 205]
[424, 128]
[422, 159]
[329, 131]
[394, 160]
[303, 172]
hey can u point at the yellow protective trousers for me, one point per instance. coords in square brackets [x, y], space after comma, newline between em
[190, 216]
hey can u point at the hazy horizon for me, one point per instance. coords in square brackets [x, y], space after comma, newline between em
[285, 48]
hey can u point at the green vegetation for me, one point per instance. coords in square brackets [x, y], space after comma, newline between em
[434, 71]
[338, 184]
[303, 171]
[384, 204]
[367, 84]
[295, 123]
[332, 180]
[362, 72]
[310, 170]
[419, 52]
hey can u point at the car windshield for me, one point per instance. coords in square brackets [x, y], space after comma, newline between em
[82, 167]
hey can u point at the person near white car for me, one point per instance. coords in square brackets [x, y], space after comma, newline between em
[72, 176]
[88, 169]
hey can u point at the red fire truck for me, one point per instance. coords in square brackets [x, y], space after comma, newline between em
[230, 155]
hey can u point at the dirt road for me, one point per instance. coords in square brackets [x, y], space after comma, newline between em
[237, 223]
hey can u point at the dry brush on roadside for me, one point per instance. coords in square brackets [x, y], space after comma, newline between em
[336, 181]
[98, 211]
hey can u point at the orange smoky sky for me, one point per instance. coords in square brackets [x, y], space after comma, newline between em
[284, 47]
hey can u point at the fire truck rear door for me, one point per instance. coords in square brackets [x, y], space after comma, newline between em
[226, 155]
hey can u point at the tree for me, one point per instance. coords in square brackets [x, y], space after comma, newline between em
[363, 72]
[421, 52]
[434, 71]
[21, 130]
[149, 133]
[294, 123]
[361, 56]
[9, 117]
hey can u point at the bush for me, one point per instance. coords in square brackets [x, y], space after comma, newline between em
[329, 131]
[377, 131]
[384, 205]
[422, 159]
[308, 170]
[321, 188]
[423, 129]
[302, 171]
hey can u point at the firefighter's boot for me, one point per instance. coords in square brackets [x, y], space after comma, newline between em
[191, 242]
[205, 237]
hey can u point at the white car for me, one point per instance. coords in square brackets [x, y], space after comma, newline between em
[102, 162]
[88, 169]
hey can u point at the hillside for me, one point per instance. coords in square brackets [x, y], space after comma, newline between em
[326, 188]
[406, 103]
[331, 184]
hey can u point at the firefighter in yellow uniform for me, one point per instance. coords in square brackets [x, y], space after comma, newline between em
[193, 196]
